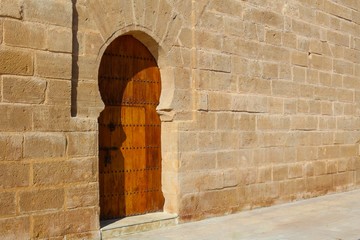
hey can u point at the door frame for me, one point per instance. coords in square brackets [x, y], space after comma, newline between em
[165, 109]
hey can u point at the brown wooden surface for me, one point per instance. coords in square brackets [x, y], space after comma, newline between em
[129, 131]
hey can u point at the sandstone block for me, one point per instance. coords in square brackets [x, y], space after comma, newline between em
[219, 101]
[59, 39]
[39, 200]
[289, 40]
[304, 123]
[185, 37]
[43, 228]
[24, 34]
[338, 10]
[75, 170]
[219, 200]
[319, 167]
[285, 88]
[249, 103]
[15, 228]
[87, 235]
[227, 7]
[82, 196]
[264, 174]
[344, 179]
[295, 170]
[249, 139]
[52, 12]
[272, 123]
[320, 62]
[276, 105]
[188, 205]
[343, 67]
[53, 65]
[44, 145]
[293, 187]
[11, 147]
[264, 17]
[93, 43]
[16, 62]
[212, 21]
[304, 29]
[225, 159]
[197, 161]
[51, 118]
[299, 58]
[87, 67]
[329, 152]
[23, 90]
[16, 119]
[331, 166]
[270, 71]
[82, 144]
[14, 175]
[280, 172]
[11, 8]
[58, 92]
[320, 184]
[208, 141]
[207, 40]
[8, 204]
[150, 14]
[164, 14]
[244, 122]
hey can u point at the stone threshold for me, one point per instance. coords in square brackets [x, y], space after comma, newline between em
[113, 229]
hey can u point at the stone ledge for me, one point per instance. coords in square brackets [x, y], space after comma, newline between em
[111, 229]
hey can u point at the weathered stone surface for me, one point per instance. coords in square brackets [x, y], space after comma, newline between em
[68, 171]
[59, 39]
[15, 228]
[58, 92]
[53, 65]
[11, 8]
[82, 196]
[16, 119]
[16, 62]
[50, 12]
[7, 203]
[38, 200]
[44, 145]
[24, 90]
[62, 223]
[11, 146]
[14, 175]
[88, 141]
[26, 34]
[51, 118]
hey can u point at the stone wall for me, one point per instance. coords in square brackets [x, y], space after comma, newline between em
[48, 160]
[277, 105]
[259, 105]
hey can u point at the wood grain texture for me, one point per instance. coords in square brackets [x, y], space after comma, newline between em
[129, 131]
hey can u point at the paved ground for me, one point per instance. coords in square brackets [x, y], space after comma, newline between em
[335, 217]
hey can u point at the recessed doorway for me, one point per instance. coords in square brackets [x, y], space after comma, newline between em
[129, 131]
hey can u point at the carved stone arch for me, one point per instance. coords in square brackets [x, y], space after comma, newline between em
[164, 109]
[160, 54]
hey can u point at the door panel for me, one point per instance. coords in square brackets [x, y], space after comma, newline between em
[129, 131]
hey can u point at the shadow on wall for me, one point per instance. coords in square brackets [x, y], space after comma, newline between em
[75, 58]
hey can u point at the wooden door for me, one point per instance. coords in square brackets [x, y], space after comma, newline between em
[129, 131]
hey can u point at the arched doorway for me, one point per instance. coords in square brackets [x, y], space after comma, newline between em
[129, 131]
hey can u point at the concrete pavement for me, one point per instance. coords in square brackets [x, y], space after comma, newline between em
[335, 216]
